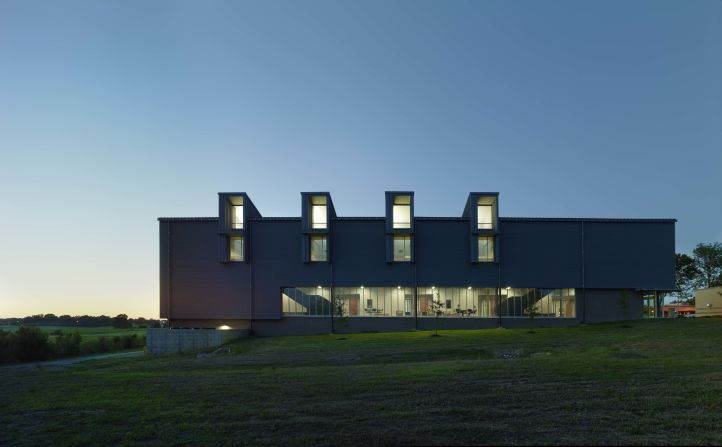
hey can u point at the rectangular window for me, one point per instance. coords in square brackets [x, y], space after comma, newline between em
[402, 212]
[537, 303]
[361, 301]
[319, 248]
[237, 217]
[485, 217]
[236, 248]
[319, 213]
[306, 301]
[456, 302]
[402, 248]
[486, 248]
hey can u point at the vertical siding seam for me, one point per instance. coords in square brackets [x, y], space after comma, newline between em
[584, 286]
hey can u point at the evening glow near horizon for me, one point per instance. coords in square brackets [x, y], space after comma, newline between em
[115, 113]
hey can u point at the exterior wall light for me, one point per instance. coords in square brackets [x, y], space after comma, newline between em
[224, 327]
[398, 287]
[319, 287]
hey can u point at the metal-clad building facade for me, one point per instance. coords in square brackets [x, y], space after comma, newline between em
[371, 275]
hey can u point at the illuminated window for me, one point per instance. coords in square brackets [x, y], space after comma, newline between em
[319, 213]
[485, 220]
[402, 212]
[486, 248]
[402, 248]
[236, 248]
[237, 216]
[319, 248]
[486, 213]
[543, 303]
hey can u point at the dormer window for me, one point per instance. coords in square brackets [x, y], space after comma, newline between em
[319, 213]
[402, 212]
[486, 213]
[237, 217]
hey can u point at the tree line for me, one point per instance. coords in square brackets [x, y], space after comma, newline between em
[701, 270]
[120, 321]
[29, 344]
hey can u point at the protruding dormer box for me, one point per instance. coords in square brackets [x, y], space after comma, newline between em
[399, 226]
[235, 209]
[482, 210]
[317, 212]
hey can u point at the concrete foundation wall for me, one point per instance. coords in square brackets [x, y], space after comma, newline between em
[174, 341]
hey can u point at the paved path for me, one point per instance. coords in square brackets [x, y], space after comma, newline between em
[74, 360]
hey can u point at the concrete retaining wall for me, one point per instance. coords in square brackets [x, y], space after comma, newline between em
[173, 341]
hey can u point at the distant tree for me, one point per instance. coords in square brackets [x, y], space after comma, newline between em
[687, 277]
[708, 258]
[121, 321]
[66, 320]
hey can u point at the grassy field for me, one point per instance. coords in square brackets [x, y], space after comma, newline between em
[645, 382]
[87, 333]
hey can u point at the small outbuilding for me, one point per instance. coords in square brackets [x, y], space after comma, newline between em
[708, 302]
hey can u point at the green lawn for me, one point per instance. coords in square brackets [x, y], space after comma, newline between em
[656, 382]
[87, 333]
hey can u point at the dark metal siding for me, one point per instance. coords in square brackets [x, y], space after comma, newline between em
[201, 287]
[629, 255]
[276, 261]
[442, 256]
[540, 254]
[545, 253]
[359, 257]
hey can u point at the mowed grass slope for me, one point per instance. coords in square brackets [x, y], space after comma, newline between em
[656, 382]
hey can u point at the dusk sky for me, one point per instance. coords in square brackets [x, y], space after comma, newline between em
[113, 113]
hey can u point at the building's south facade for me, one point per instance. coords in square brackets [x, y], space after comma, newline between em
[321, 273]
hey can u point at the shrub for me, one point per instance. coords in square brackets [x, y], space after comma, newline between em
[7, 347]
[67, 345]
[31, 344]
[109, 344]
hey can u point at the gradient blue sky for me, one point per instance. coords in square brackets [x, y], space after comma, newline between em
[113, 113]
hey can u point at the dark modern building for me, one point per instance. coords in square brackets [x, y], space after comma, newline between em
[320, 272]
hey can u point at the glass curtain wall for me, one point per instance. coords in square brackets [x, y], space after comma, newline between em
[306, 301]
[649, 303]
[364, 301]
[462, 302]
[457, 302]
[542, 303]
